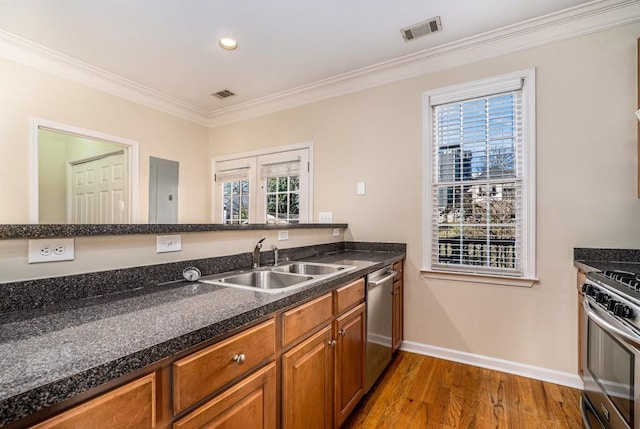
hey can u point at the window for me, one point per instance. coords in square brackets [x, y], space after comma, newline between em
[234, 185]
[480, 177]
[263, 187]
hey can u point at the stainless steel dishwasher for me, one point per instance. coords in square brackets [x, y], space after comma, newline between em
[379, 301]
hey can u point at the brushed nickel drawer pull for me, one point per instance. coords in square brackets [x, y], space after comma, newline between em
[342, 332]
[332, 343]
[239, 359]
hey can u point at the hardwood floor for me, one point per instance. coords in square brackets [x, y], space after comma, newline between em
[422, 392]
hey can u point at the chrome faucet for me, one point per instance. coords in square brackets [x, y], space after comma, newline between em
[275, 255]
[256, 253]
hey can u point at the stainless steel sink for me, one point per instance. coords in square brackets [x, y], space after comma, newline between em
[266, 279]
[279, 279]
[309, 268]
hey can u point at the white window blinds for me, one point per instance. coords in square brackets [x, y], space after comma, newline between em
[233, 174]
[280, 168]
[476, 184]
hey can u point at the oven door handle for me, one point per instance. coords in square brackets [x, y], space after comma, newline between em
[608, 326]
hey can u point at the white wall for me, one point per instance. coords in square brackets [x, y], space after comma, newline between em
[27, 92]
[586, 188]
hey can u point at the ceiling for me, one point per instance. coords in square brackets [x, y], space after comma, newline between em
[170, 46]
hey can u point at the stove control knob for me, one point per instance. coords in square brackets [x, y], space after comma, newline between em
[602, 297]
[584, 287]
[611, 304]
[622, 310]
[592, 290]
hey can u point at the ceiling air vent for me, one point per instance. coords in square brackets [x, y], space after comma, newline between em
[223, 94]
[421, 29]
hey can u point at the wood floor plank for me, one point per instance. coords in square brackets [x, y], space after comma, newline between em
[424, 392]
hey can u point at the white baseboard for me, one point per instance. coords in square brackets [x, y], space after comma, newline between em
[530, 371]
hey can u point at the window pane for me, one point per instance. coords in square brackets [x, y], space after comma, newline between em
[283, 184]
[294, 205]
[272, 184]
[283, 205]
[476, 213]
[226, 189]
[294, 183]
[271, 208]
[502, 203]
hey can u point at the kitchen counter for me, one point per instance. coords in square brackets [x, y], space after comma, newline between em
[53, 353]
[586, 260]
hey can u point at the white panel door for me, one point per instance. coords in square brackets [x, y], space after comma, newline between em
[99, 191]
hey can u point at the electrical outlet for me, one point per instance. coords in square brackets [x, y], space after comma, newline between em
[325, 217]
[168, 243]
[283, 235]
[51, 250]
[336, 232]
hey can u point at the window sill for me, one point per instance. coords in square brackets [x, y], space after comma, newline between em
[479, 278]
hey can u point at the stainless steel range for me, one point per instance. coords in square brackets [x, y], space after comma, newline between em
[611, 350]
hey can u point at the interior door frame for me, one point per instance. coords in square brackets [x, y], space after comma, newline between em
[131, 147]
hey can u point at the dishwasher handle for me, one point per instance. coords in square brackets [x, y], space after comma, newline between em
[378, 282]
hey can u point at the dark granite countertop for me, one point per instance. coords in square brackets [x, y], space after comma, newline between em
[587, 259]
[52, 353]
[13, 231]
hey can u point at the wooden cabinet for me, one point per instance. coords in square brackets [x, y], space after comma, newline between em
[350, 365]
[307, 374]
[303, 368]
[306, 318]
[132, 406]
[202, 373]
[323, 375]
[398, 307]
[249, 404]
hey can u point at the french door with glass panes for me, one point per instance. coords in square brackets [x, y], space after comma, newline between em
[267, 188]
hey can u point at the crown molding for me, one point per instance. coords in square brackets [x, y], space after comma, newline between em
[32, 54]
[577, 21]
[580, 20]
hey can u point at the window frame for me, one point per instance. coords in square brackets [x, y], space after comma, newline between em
[257, 195]
[461, 92]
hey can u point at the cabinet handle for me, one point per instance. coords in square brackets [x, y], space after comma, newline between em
[332, 343]
[342, 332]
[239, 358]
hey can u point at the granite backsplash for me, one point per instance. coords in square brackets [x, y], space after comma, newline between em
[32, 294]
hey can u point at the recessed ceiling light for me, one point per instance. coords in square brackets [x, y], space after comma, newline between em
[227, 43]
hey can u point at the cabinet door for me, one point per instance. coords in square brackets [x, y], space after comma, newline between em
[350, 351]
[398, 315]
[131, 406]
[307, 383]
[249, 404]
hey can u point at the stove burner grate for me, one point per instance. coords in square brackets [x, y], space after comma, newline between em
[630, 280]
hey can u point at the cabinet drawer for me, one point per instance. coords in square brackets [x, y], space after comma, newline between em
[200, 374]
[251, 403]
[132, 406]
[305, 318]
[349, 295]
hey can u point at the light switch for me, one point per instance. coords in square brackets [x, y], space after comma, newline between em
[361, 188]
[325, 217]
